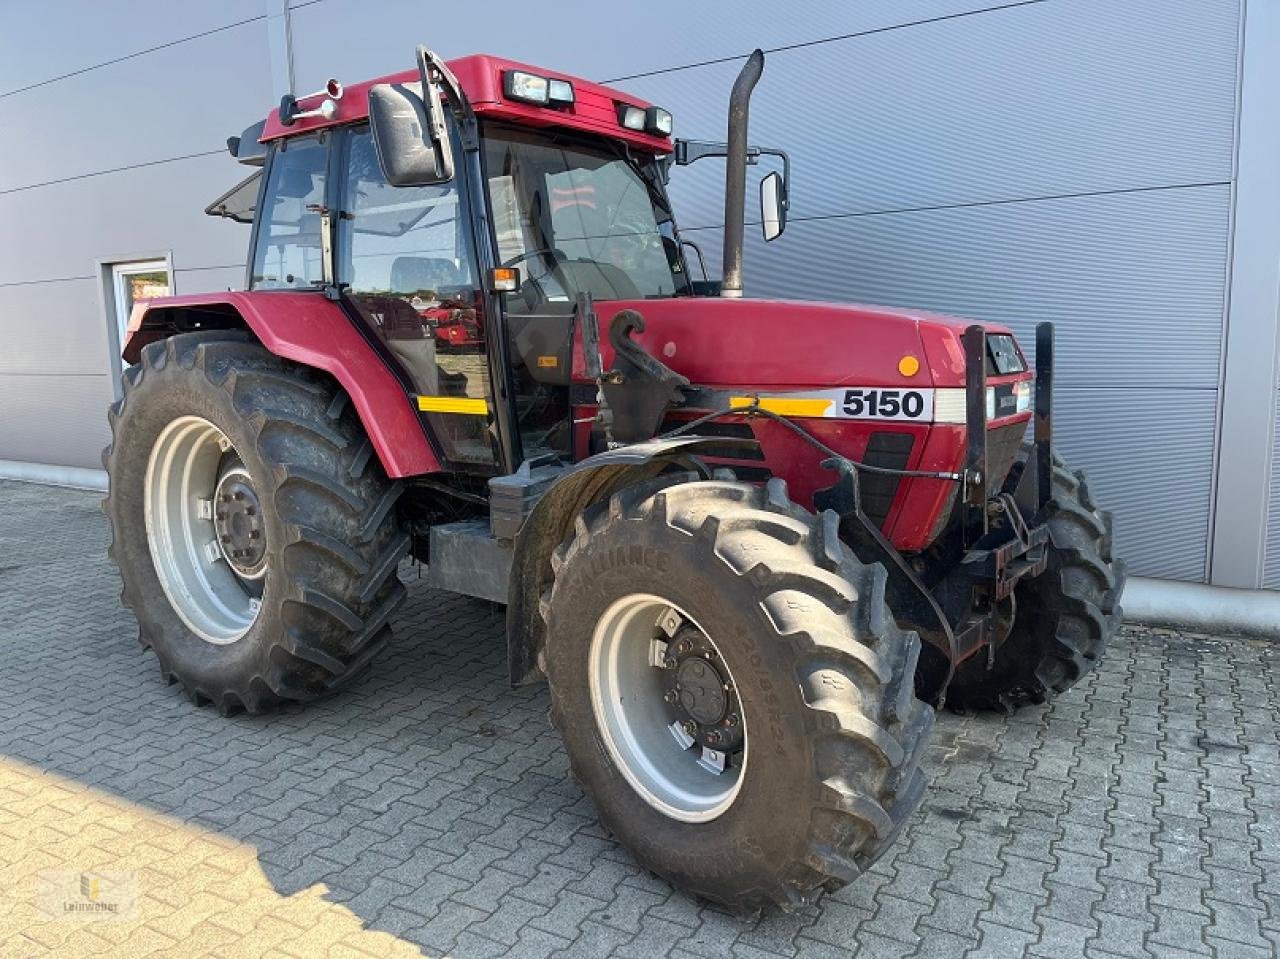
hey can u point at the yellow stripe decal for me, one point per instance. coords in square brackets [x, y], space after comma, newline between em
[784, 407]
[453, 404]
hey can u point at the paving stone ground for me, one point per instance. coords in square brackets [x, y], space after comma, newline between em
[428, 808]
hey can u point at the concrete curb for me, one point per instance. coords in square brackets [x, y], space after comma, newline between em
[1202, 609]
[75, 477]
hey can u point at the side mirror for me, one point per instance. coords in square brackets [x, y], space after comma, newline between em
[773, 205]
[410, 135]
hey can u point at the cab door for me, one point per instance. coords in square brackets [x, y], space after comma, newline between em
[406, 260]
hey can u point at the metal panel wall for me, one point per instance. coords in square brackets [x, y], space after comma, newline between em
[1271, 570]
[1068, 160]
[114, 142]
[1013, 160]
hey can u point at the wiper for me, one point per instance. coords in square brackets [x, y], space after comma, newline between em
[655, 195]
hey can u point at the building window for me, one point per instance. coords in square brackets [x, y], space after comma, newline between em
[135, 281]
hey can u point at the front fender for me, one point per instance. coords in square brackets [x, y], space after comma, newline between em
[551, 521]
[312, 330]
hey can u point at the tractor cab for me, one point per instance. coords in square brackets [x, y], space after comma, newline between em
[465, 228]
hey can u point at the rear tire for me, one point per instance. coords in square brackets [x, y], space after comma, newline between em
[333, 538]
[1064, 617]
[833, 729]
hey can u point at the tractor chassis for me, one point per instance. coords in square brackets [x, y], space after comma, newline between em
[958, 595]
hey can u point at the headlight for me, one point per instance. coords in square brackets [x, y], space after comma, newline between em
[1004, 354]
[1023, 393]
[657, 121]
[560, 91]
[529, 87]
[630, 116]
[1007, 399]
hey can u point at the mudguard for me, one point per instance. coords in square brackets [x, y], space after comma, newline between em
[313, 331]
[551, 520]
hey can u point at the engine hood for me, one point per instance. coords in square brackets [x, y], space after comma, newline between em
[795, 344]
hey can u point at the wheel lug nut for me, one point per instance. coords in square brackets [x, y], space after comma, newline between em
[713, 737]
[250, 511]
[668, 663]
[254, 534]
[731, 719]
[239, 494]
[671, 696]
[691, 727]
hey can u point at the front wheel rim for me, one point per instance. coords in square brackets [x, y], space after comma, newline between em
[673, 772]
[183, 473]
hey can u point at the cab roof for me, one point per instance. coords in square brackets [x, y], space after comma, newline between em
[594, 110]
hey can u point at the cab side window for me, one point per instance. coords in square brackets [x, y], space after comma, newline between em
[287, 255]
[407, 260]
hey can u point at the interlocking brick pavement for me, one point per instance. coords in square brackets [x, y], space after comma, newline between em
[428, 808]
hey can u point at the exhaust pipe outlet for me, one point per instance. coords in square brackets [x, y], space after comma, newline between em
[735, 177]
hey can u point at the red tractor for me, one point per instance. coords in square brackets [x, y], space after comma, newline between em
[749, 566]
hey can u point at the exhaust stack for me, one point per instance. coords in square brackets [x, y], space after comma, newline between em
[735, 177]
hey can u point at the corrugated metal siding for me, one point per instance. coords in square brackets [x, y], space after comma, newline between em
[1065, 97]
[1148, 456]
[1061, 159]
[111, 152]
[1271, 570]
[1066, 160]
[1133, 280]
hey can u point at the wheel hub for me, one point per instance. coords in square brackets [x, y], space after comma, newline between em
[237, 520]
[700, 692]
[667, 709]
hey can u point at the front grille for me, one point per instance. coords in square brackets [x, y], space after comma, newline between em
[1003, 444]
[888, 451]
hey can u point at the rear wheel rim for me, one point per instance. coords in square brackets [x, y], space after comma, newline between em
[183, 473]
[627, 683]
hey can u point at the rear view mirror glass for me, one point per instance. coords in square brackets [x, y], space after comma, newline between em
[402, 135]
[773, 205]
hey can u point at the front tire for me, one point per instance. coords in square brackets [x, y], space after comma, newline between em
[1064, 617]
[761, 593]
[219, 444]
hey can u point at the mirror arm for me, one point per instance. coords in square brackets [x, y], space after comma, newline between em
[690, 151]
[433, 72]
[786, 161]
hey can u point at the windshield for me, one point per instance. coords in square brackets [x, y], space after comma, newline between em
[579, 215]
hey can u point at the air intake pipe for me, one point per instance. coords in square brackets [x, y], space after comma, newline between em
[735, 176]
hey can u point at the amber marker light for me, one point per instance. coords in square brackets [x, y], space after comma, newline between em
[504, 279]
[908, 365]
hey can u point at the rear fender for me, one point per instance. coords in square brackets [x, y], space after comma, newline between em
[311, 330]
[552, 519]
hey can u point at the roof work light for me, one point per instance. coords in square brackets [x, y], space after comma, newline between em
[535, 89]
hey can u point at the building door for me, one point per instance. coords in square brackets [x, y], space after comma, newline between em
[134, 281]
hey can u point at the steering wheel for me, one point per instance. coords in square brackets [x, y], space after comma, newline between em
[531, 290]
